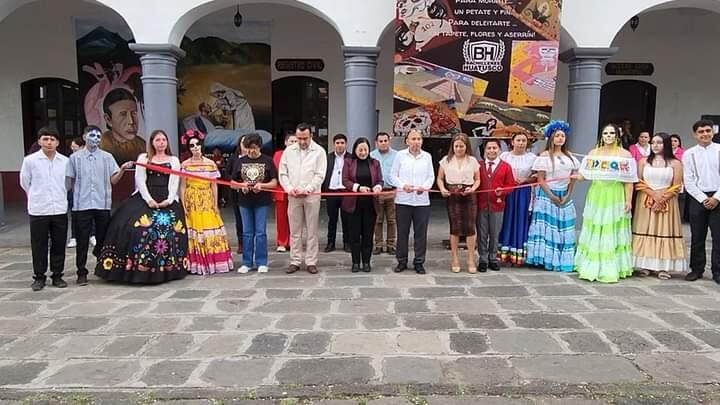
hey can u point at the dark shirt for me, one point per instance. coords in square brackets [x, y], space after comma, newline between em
[248, 170]
[363, 176]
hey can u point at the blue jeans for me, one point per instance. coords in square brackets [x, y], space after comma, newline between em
[254, 235]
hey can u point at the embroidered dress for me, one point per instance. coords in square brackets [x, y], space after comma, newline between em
[657, 238]
[516, 219]
[604, 246]
[145, 245]
[208, 248]
[551, 238]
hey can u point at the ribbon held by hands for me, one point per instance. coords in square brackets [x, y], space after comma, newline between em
[165, 170]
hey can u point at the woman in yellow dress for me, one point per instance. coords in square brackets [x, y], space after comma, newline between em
[208, 249]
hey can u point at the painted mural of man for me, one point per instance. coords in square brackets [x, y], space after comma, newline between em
[121, 117]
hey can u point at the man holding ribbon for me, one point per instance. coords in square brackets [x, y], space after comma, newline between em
[92, 171]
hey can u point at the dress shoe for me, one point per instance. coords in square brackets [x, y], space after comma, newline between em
[400, 267]
[292, 269]
[38, 285]
[419, 269]
[82, 279]
[329, 248]
[59, 282]
[692, 276]
[494, 266]
[391, 250]
[482, 267]
[312, 269]
[355, 268]
[346, 248]
[366, 268]
[377, 251]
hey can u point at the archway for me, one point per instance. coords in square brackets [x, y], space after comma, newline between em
[51, 102]
[300, 99]
[629, 101]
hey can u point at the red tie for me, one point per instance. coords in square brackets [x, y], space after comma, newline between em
[490, 165]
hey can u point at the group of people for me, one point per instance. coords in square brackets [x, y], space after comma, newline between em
[514, 207]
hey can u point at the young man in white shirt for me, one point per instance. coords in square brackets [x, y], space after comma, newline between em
[333, 182]
[413, 175]
[301, 173]
[701, 165]
[42, 176]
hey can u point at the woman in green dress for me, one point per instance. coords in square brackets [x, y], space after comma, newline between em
[604, 250]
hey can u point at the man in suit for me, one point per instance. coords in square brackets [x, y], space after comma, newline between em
[333, 182]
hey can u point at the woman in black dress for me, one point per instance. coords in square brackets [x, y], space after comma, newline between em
[146, 241]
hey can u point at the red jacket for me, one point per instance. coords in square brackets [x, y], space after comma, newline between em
[502, 176]
[349, 178]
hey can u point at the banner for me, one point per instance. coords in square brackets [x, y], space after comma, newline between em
[225, 83]
[110, 87]
[487, 68]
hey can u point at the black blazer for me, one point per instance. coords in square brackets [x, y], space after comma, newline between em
[329, 170]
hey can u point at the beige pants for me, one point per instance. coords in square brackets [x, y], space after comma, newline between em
[303, 214]
[385, 209]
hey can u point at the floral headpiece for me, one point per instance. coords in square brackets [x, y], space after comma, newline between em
[556, 125]
[191, 133]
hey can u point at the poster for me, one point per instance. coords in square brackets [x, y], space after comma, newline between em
[110, 87]
[487, 68]
[225, 83]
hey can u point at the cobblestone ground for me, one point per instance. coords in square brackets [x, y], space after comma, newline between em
[517, 336]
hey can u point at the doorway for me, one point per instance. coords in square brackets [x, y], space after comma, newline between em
[299, 99]
[629, 100]
[52, 103]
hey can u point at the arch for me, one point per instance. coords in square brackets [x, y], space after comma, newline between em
[389, 28]
[567, 40]
[10, 6]
[189, 17]
[630, 9]
[41, 95]
[629, 99]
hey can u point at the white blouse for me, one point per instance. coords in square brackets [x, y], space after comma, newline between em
[522, 165]
[658, 178]
[563, 168]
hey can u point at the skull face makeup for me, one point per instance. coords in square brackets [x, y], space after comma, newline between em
[92, 138]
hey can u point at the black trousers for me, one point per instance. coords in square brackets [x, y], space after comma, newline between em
[418, 217]
[361, 225]
[88, 221]
[700, 220]
[43, 228]
[333, 208]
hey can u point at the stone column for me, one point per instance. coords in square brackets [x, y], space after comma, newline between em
[160, 88]
[583, 102]
[360, 92]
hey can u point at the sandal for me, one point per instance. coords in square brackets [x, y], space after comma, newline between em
[455, 269]
[664, 275]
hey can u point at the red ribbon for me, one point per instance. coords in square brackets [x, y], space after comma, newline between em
[165, 170]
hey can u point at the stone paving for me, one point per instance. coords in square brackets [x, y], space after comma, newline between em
[517, 336]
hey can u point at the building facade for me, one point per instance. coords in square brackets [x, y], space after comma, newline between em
[352, 91]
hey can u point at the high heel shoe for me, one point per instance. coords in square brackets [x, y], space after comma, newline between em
[455, 269]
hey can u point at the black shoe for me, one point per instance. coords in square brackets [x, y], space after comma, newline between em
[692, 276]
[716, 279]
[329, 248]
[419, 269]
[482, 267]
[82, 279]
[38, 285]
[346, 247]
[494, 267]
[355, 268]
[59, 282]
[366, 268]
[400, 267]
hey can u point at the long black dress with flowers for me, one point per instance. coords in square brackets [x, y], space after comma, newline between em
[145, 245]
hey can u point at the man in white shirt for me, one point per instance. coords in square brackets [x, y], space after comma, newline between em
[42, 176]
[701, 165]
[301, 173]
[413, 175]
[333, 182]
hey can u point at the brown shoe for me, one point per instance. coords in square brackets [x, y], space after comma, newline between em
[292, 269]
[391, 250]
[377, 251]
[312, 269]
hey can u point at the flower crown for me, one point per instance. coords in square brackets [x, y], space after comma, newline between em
[191, 133]
[556, 125]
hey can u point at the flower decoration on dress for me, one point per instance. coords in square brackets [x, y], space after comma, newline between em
[556, 125]
[108, 263]
[163, 218]
[190, 134]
